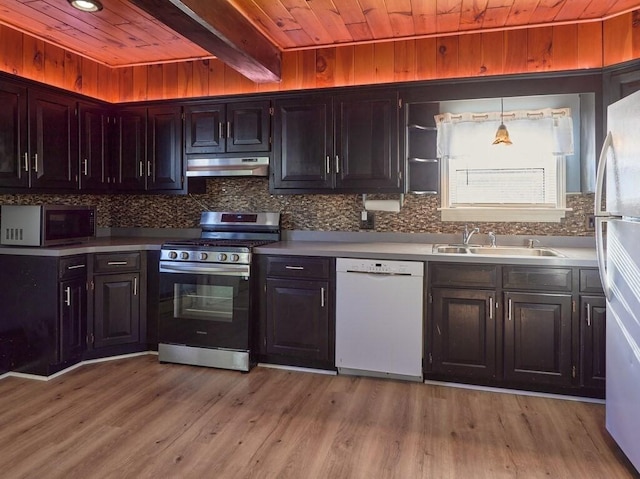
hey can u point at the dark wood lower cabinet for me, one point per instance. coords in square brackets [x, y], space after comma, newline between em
[464, 333]
[117, 309]
[592, 341]
[537, 338]
[298, 318]
[73, 319]
[296, 311]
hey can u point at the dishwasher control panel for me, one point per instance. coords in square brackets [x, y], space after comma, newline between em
[371, 266]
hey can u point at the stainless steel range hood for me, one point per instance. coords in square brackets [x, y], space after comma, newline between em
[236, 166]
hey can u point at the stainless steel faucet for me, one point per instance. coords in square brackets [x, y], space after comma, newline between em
[492, 239]
[466, 234]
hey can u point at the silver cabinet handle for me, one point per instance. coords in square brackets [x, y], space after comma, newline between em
[328, 164]
[76, 266]
[35, 162]
[337, 163]
[26, 162]
[67, 294]
[228, 129]
[140, 167]
[588, 315]
[510, 317]
[135, 286]
[322, 297]
[148, 167]
[294, 267]
[117, 263]
[490, 307]
[85, 167]
[220, 131]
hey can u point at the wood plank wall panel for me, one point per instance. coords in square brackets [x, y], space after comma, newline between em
[557, 48]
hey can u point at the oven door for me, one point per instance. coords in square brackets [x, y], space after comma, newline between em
[208, 308]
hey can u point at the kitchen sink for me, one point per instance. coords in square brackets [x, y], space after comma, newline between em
[495, 251]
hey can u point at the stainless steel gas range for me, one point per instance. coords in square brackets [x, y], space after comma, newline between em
[206, 291]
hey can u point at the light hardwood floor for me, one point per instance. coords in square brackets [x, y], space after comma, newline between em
[136, 418]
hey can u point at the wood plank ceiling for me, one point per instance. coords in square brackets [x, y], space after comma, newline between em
[124, 35]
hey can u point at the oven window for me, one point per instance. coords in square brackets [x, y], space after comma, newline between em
[204, 301]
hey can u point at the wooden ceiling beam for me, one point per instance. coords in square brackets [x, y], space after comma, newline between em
[221, 30]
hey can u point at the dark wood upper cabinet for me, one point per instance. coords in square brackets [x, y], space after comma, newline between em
[239, 127]
[54, 141]
[164, 166]
[127, 149]
[303, 147]
[94, 159]
[343, 143]
[14, 148]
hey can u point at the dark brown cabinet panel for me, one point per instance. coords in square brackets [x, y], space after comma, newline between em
[303, 146]
[593, 340]
[127, 150]
[343, 143]
[94, 159]
[464, 333]
[366, 134]
[238, 127]
[297, 323]
[73, 318]
[53, 141]
[298, 318]
[14, 148]
[164, 168]
[116, 309]
[538, 338]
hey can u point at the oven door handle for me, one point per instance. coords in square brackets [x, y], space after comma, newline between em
[196, 268]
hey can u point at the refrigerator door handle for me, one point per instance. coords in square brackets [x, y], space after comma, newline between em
[602, 166]
[602, 264]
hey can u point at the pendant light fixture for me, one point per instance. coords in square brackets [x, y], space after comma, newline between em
[502, 135]
[86, 5]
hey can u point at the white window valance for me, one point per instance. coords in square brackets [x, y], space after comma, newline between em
[548, 130]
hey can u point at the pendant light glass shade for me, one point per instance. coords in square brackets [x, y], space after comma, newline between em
[502, 135]
[86, 5]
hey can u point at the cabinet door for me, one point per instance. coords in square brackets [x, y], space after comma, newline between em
[164, 153]
[73, 319]
[117, 309]
[537, 338]
[592, 340]
[14, 159]
[366, 129]
[303, 144]
[464, 332]
[204, 129]
[54, 141]
[93, 148]
[248, 126]
[128, 150]
[298, 319]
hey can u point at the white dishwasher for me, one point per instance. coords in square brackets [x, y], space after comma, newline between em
[379, 311]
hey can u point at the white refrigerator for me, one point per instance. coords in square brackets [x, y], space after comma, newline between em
[618, 245]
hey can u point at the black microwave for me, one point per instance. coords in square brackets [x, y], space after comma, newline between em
[46, 225]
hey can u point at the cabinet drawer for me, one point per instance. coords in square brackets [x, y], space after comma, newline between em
[72, 267]
[537, 279]
[116, 262]
[464, 275]
[298, 267]
[590, 281]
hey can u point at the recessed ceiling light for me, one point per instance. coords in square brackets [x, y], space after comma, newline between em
[86, 5]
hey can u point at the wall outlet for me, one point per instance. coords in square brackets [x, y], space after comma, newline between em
[367, 221]
[591, 223]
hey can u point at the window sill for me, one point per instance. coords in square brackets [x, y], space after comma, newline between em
[497, 214]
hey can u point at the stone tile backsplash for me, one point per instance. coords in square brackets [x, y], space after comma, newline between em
[299, 212]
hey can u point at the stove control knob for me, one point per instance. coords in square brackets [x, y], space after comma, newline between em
[235, 258]
[173, 255]
[184, 255]
[222, 257]
[203, 256]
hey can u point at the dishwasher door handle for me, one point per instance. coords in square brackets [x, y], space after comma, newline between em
[376, 273]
